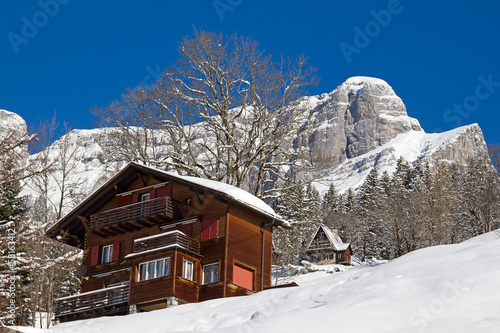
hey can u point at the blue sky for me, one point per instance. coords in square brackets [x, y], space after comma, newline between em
[441, 57]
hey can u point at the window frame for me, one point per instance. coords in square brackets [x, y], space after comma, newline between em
[109, 256]
[144, 195]
[184, 270]
[208, 266]
[166, 269]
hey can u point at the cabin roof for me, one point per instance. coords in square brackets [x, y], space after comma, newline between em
[124, 177]
[335, 240]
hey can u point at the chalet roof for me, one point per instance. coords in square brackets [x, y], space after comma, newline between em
[334, 239]
[126, 176]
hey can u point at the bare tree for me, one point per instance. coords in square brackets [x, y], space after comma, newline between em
[66, 163]
[227, 111]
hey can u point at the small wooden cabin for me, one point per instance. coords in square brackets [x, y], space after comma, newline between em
[153, 239]
[327, 248]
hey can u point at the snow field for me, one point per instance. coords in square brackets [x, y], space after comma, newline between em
[448, 288]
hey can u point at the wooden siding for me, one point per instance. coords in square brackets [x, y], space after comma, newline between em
[213, 251]
[245, 246]
[126, 241]
[151, 290]
[186, 290]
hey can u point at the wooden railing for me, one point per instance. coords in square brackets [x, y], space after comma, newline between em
[162, 205]
[320, 245]
[164, 240]
[94, 300]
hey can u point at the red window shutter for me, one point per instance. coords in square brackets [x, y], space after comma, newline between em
[124, 201]
[94, 258]
[116, 251]
[242, 277]
[212, 233]
[186, 229]
[152, 194]
[209, 229]
[164, 192]
[135, 198]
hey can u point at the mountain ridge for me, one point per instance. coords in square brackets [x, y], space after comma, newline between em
[360, 124]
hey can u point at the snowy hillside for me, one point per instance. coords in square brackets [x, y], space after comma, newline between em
[449, 288]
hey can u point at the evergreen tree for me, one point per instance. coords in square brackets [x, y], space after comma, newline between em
[13, 261]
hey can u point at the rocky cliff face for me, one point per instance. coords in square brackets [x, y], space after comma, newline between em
[361, 114]
[359, 125]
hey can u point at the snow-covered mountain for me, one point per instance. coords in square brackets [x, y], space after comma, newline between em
[361, 124]
[447, 288]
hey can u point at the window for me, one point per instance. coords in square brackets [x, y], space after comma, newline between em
[211, 273]
[107, 254]
[187, 270]
[340, 256]
[329, 256]
[154, 269]
[243, 277]
[144, 208]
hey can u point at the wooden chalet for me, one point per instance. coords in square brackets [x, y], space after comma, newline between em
[153, 239]
[327, 248]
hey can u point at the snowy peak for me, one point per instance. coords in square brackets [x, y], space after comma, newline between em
[360, 80]
[361, 114]
[10, 121]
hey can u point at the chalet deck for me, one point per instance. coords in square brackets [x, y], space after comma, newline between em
[132, 217]
[153, 239]
[109, 301]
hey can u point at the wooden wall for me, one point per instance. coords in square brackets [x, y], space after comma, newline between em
[245, 246]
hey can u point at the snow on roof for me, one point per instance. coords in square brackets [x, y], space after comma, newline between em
[334, 239]
[233, 193]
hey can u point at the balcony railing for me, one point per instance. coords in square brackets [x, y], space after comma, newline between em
[98, 300]
[134, 216]
[164, 241]
[320, 245]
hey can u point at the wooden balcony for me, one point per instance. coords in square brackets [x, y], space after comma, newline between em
[102, 302]
[320, 245]
[132, 217]
[166, 240]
